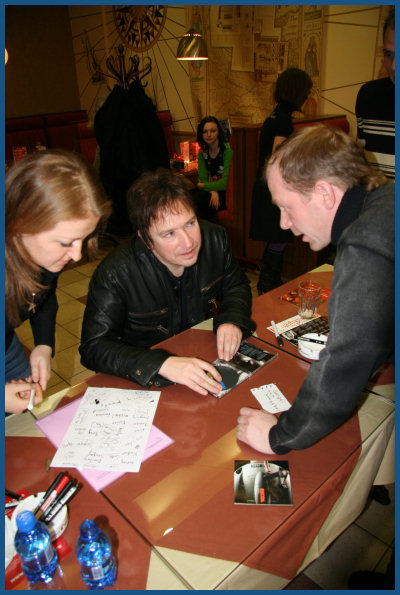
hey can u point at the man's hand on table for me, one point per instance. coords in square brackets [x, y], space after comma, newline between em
[229, 338]
[193, 373]
[253, 428]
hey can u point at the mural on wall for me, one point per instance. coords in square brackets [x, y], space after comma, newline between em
[139, 27]
[249, 46]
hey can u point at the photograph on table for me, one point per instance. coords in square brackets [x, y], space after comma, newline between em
[262, 482]
[244, 363]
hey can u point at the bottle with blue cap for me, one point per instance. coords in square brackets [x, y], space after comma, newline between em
[39, 559]
[93, 550]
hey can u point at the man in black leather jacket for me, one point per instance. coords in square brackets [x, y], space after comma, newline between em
[166, 278]
[327, 192]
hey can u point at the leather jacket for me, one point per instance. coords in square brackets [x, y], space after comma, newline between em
[135, 302]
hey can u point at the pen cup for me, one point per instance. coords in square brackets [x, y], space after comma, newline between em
[309, 297]
[56, 526]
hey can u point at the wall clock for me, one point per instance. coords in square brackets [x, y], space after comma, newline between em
[139, 27]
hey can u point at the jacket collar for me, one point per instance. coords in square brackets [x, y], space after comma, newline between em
[348, 211]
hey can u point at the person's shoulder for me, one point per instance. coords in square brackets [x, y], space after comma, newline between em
[376, 86]
[212, 232]
[384, 193]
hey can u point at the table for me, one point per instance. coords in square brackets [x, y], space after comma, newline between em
[269, 306]
[178, 511]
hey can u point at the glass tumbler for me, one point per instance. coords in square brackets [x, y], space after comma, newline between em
[309, 298]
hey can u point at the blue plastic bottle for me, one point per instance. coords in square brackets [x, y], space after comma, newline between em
[39, 558]
[93, 550]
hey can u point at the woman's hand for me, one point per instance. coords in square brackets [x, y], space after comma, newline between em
[40, 361]
[214, 200]
[17, 395]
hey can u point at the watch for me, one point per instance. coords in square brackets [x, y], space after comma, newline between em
[139, 27]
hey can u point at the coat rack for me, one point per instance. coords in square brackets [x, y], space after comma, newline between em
[117, 70]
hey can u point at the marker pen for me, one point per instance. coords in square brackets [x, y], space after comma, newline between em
[53, 495]
[67, 497]
[49, 490]
[56, 500]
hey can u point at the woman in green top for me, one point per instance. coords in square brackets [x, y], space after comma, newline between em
[214, 160]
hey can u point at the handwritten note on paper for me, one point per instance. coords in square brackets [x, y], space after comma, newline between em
[109, 430]
[270, 398]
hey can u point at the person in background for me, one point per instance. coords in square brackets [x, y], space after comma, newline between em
[54, 203]
[163, 280]
[293, 87]
[375, 109]
[214, 161]
[326, 191]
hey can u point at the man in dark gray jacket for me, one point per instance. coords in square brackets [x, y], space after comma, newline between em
[327, 192]
[169, 276]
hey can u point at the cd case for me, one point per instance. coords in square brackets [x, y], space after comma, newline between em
[262, 482]
[244, 363]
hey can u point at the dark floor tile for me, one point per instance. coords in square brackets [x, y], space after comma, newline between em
[302, 583]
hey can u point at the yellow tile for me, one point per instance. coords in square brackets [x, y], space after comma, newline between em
[74, 327]
[81, 376]
[77, 289]
[65, 339]
[62, 297]
[54, 380]
[24, 331]
[66, 363]
[69, 276]
[88, 268]
[70, 311]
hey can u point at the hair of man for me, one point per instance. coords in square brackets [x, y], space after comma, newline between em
[321, 152]
[154, 194]
[389, 21]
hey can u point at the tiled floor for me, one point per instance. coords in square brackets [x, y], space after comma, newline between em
[366, 545]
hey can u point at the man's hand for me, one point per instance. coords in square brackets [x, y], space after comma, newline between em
[229, 338]
[194, 373]
[253, 428]
[17, 394]
[40, 361]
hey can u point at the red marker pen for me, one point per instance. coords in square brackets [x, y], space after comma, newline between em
[53, 495]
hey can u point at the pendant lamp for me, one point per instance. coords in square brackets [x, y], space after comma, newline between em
[192, 47]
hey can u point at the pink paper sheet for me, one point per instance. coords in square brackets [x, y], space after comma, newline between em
[56, 424]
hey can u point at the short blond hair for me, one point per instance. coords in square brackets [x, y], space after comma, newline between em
[320, 152]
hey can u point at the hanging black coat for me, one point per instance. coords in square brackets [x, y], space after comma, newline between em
[131, 141]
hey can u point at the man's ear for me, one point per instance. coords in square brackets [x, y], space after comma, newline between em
[326, 192]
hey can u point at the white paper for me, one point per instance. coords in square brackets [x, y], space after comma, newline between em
[290, 323]
[109, 430]
[270, 398]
